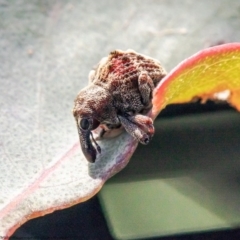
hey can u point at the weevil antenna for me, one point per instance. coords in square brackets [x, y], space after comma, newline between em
[97, 146]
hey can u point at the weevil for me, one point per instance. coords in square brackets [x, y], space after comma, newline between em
[119, 93]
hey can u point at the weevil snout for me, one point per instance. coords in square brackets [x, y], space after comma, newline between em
[92, 107]
[85, 126]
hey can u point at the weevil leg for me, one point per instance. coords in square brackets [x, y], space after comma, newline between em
[108, 131]
[100, 134]
[135, 131]
[143, 122]
[146, 87]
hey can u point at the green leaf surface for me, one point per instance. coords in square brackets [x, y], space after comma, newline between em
[213, 73]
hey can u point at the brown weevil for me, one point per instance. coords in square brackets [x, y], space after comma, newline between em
[119, 94]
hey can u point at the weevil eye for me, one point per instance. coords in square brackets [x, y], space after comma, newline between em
[84, 124]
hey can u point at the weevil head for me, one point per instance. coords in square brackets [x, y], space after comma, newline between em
[91, 107]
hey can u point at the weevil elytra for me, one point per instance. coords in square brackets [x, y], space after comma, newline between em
[119, 94]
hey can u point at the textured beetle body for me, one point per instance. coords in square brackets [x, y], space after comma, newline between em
[119, 93]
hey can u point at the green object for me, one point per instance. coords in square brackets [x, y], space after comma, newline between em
[192, 187]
